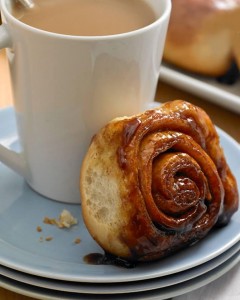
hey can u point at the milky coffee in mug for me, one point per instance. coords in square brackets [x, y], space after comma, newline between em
[68, 85]
[87, 17]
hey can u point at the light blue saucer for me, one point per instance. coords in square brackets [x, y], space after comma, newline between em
[22, 210]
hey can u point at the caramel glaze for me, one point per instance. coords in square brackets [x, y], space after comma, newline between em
[107, 259]
[179, 184]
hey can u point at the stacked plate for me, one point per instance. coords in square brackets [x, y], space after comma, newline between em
[45, 262]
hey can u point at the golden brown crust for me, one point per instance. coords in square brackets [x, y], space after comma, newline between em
[156, 182]
[202, 35]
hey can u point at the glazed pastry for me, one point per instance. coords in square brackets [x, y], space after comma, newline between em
[156, 182]
[203, 36]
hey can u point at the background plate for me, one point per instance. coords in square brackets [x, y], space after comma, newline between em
[224, 95]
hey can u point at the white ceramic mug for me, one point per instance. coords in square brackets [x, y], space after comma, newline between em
[66, 87]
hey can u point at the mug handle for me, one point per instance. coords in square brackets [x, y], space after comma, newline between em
[10, 158]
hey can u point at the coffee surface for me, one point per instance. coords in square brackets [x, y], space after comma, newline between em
[87, 17]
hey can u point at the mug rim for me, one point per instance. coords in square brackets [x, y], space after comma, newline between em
[161, 19]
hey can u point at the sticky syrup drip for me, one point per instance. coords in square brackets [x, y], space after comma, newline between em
[107, 259]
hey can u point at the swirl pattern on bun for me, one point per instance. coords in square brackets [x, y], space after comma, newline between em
[156, 182]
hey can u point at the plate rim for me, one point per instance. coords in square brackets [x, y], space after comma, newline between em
[123, 287]
[200, 86]
[172, 291]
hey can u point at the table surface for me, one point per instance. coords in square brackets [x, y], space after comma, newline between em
[225, 288]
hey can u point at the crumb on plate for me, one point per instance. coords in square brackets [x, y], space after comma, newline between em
[39, 229]
[77, 241]
[65, 220]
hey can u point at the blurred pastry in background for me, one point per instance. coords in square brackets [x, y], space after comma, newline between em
[204, 37]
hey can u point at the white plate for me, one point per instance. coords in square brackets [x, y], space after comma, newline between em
[158, 294]
[224, 95]
[22, 210]
[126, 287]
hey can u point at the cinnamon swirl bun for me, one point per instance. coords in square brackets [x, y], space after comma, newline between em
[156, 182]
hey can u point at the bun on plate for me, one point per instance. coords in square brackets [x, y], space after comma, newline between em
[156, 182]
